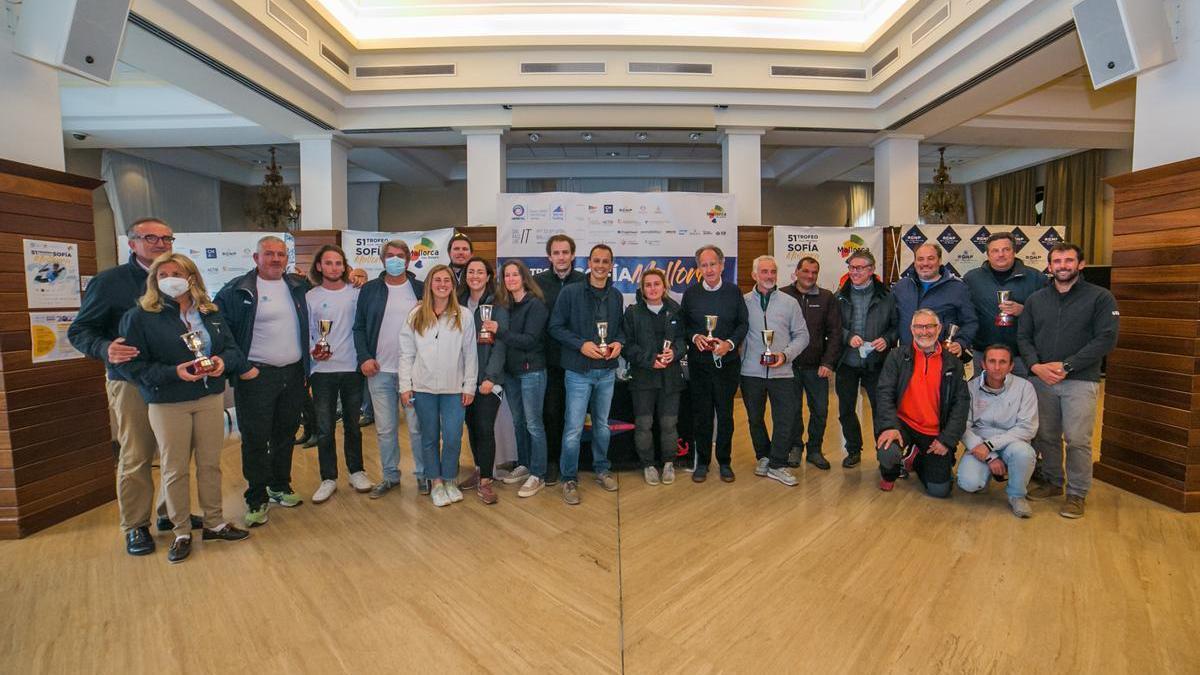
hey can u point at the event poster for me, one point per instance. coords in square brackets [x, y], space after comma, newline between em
[48, 336]
[830, 246]
[220, 256]
[51, 273]
[426, 249]
[964, 247]
[645, 230]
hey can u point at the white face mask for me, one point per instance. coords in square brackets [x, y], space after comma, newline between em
[173, 287]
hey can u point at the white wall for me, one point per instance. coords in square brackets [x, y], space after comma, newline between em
[30, 119]
[1167, 113]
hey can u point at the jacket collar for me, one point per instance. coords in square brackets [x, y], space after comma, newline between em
[1019, 269]
[944, 273]
[249, 284]
[877, 287]
[984, 388]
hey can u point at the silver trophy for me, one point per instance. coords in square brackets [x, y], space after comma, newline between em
[602, 331]
[486, 337]
[203, 365]
[768, 357]
[322, 347]
[710, 323]
[1003, 319]
[666, 347]
[951, 333]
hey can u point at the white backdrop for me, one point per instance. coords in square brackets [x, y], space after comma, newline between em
[964, 246]
[830, 245]
[221, 256]
[426, 247]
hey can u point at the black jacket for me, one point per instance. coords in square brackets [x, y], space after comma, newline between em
[733, 321]
[238, 301]
[525, 339]
[823, 316]
[368, 316]
[1078, 327]
[1023, 282]
[644, 335]
[551, 286]
[109, 295]
[157, 337]
[881, 320]
[954, 405]
[573, 322]
[491, 356]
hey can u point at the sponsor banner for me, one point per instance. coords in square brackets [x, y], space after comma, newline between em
[645, 230]
[221, 256]
[830, 245]
[964, 247]
[51, 273]
[48, 336]
[427, 248]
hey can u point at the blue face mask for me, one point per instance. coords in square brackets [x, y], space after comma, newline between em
[395, 265]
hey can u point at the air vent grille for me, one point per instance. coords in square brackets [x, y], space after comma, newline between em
[671, 68]
[405, 71]
[932, 22]
[819, 71]
[885, 61]
[561, 68]
[277, 12]
[333, 58]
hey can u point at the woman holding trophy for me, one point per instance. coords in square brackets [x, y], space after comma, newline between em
[184, 352]
[525, 367]
[490, 319]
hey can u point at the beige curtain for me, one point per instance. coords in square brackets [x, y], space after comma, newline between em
[1075, 202]
[1010, 199]
[862, 205]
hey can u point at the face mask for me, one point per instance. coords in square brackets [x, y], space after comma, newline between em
[173, 287]
[395, 266]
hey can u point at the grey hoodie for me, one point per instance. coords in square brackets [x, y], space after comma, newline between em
[1003, 416]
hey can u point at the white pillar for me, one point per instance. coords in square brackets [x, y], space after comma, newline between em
[485, 173]
[897, 180]
[323, 183]
[1166, 127]
[741, 172]
[31, 117]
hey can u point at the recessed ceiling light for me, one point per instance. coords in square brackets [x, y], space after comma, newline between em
[694, 136]
[613, 153]
[587, 136]
[535, 137]
[641, 135]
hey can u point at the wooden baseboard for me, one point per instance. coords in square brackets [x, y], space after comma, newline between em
[1180, 500]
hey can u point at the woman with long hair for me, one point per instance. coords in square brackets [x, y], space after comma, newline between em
[437, 373]
[479, 292]
[184, 353]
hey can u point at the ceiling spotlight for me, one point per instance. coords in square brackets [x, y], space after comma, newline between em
[694, 136]
[641, 135]
[535, 137]
[79, 136]
[587, 136]
[614, 153]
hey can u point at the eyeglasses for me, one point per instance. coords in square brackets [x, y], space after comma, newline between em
[154, 238]
[925, 326]
[860, 268]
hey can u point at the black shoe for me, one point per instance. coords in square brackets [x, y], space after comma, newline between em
[227, 533]
[366, 421]
[305, 439]
[818, 460]
[311, 442]
[139, 542]
[852, 460]
[180, 549]
[700, 474]
[552, 475]
[164, 524]
[727, 473]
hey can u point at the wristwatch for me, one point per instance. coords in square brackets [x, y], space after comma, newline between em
[1067, 367]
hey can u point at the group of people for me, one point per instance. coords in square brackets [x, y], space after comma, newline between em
[443, 351]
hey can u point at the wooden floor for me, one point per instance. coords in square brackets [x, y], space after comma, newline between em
[830, 577]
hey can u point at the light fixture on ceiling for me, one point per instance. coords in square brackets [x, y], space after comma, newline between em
[943, 202]
[274, 206]
[79, 136]
[535, 137]
[587, 136]
[613, 153]
[641, 135]
[694, 136]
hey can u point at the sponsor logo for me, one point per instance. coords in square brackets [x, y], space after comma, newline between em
[1022, 239]
[913, 238]
[557, 213]
[520, 236]
[949, 239]
[1049, 239]
[518, 210]
[210, 253]
[715, 213]
[980, 239]
[608, 209]
[854, 243]
[423, 250]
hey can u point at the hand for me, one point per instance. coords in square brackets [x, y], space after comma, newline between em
[777, 360]
[490, 326]
[219, 370]
[937, 448]
[322, 355]
[1050, 373]
[658, 364]
[485, 388]
[954, 348]
[185, 373]
[701, 342]
[590, 350]
[667, 356]
[370, 368]
[358, 277]
[888, 437]
[249, 374]
[406, 399]
[614, 350]
[856, 341]
[721, 347]
[1013, 308]
[119, 352]
[997, 467]
[824, 372]
[981, 452]
[879, 344]
[467, 398]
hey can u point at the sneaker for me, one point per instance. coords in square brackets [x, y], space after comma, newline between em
[223, 532]
[1043, 491]
[886, 485]
[852, 460]
[360, 482]
[439, 495]
[382, 487]
[471, 481]
[794, 456]
[700, 473]
[1020, 507]
[783, 475]
[324, 491]
[1072, 508]
[910, 458]
[138, 541]
[285, 499]
[532, 486]
[256, 516]
[517, 475]
[606, 481]
[726, 473]
[818, 460]
[668, 473]
[552, 474]
[762, 467]
[424, 486]
[453, 492]
[180, 549]
[651, 475]
[487, 492]
[570, 491]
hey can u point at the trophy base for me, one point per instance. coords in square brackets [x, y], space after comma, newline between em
[604, 350]
[486, 339]
[320, 352]
[1005, 321]
[202, 367]
[766, 359]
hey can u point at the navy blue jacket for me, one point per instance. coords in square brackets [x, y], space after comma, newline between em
[109, 295]
[881, 321]
[523, 341]
[645, 332]
[948, 297]
[368, 317]
[551, 286]
[238, 301]
[573, 322]
[491, 357]
[983, 286]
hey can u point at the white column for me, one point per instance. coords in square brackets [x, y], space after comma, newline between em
[1166, 127]
[897, 180]
[485, 173]
[323, 183]
[31, 117]
[741, 172]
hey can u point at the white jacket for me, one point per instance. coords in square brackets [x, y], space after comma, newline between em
[443, 360]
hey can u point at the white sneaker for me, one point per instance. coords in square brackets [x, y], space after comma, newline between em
[783, 475]
[668, 473]
[651, 475]
[439, 495]
[324, 491]
[360, 482]
[453, 492]
[517, 475]
[531, 487]
[763, 466]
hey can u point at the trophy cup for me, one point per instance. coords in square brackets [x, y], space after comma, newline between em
[666, 345]
[322, 348]
[486, 337]
[602, 331]
[710, 323]
[1003, 319]
[203, 365]
[951, 333]
[768, 357]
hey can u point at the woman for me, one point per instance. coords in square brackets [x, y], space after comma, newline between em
[481, 414]
[525, 366]
[437, 373]
[654, 340]
[186, 405]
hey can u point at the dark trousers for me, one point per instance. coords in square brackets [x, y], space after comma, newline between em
[327, 388]
[268, 410]
[554, 413]
[849, 379]
[712, 391]
[814, 389]
[784, 411]
[308, 415]
[933, 470]
[650, 405]
[481, 431]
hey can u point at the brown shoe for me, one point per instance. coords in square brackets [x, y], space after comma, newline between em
[1072, 508]
[570, 490]
[486, 494]
[471, 481]
[1042, 492]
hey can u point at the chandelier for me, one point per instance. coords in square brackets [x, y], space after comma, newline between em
[942, 202]
[273, 207]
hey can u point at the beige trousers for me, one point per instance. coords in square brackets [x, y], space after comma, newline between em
[183, 429]
[135, 482]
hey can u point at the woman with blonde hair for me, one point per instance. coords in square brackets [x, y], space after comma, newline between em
[437, 375]
[184, 352]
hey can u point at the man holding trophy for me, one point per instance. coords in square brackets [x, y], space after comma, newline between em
[999, 289]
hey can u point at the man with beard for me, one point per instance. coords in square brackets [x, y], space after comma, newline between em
[461, 250]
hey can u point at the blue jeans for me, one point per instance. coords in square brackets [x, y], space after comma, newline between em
[1018, 456]
[525, 395]
[441, 417]
[594, 387]
[385, 398]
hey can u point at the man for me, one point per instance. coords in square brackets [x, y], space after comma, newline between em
[923, 408]
[868, 316]
[461, 250]
[560, 250]
[712, 385]
[931, 286]
[812, 369]
[590, 369]
[335, 373]
[267, 311]
[1001, 424]
[765, 376]
[95, 332]
[1067, 328]
[1002, 271]
[383, 306]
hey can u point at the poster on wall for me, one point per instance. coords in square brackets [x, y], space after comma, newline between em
[220, 256]
[829, 245]
[51, 273]
[645, 230]
[48, 336]
[964, 247]
[426, 249]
